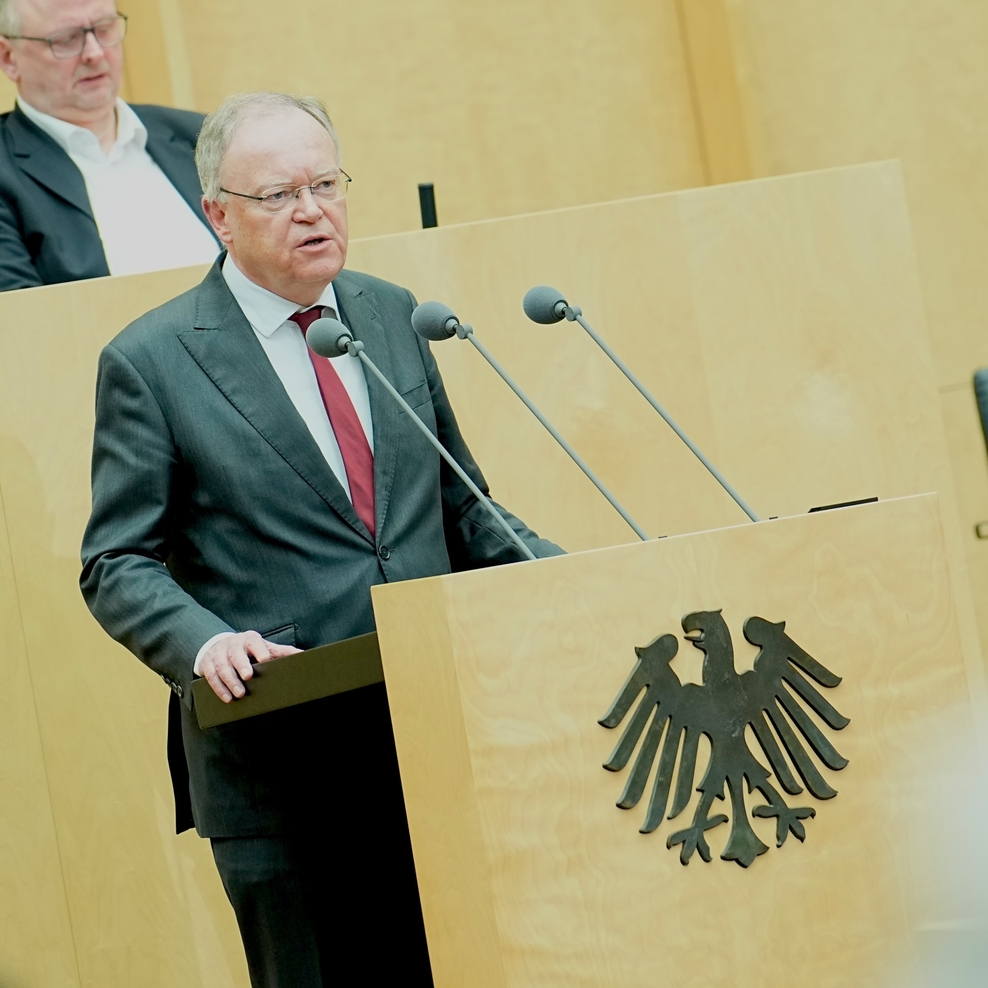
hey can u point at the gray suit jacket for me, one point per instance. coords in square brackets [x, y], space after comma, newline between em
[214, 510]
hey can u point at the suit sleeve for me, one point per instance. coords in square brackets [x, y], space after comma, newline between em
[16, 268]
[473, 539]
[124, 578]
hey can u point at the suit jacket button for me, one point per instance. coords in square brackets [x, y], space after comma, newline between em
[384, 552]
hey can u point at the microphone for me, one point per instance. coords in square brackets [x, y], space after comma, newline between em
[330, 338]
[545, 305]
[434, 321]
[437, 322]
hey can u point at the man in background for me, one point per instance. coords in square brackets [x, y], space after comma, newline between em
[89, 186]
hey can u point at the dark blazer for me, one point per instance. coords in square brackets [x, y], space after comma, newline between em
[47, 231]
[214, 510]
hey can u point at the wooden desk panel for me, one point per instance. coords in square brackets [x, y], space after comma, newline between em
[35, 932]
[530, 876]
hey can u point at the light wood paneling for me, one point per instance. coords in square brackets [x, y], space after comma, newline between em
[454, 873]
[779, 321]
[757, 313]
[834, 82]
[148, 54]
[8, 93]
[146, 909]
[508, 108]
[717, 100]
[35, 932]
[497, 679]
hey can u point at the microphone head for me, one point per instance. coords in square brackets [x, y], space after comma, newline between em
[324, 336]
[434, 321]
[544, 305]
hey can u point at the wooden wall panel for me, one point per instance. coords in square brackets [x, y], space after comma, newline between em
[36, 945]
[146, 908]
[149, 54]
[8, 93]
[822, 83]
[508, 108]
[717, 99]
[833, 83]
[780, 321]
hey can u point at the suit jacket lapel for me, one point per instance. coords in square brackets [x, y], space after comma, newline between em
[360, 313]
[39, 156]
[226, 348]
[177, 163]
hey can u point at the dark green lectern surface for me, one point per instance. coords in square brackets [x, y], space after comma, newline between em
[294, 679]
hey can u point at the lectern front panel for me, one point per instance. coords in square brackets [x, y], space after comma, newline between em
[530, 873]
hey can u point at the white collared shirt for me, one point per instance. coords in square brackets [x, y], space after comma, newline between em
[143, 221]
[284, 344]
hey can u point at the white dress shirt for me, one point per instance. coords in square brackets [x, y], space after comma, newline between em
[143, 221]
[284, 344]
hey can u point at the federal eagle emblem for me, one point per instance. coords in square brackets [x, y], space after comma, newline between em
[722, 709]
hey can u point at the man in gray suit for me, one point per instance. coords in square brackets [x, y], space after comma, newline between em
[246, 496]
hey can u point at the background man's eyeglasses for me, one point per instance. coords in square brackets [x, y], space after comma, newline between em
[68, 44]
[327, 189]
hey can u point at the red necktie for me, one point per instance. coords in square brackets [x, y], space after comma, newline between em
[358, 460]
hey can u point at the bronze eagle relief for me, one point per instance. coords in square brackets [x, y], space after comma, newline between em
[722, 708]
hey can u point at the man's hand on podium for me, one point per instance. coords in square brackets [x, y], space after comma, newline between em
[226, 665]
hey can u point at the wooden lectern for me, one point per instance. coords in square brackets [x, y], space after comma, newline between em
[529, 873]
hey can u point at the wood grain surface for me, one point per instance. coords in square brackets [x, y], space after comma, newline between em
[497, 679]
[507, 109]
[35, 932]
[781, 88]
[779, 321]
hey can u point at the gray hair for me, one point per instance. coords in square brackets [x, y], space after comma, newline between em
[10, 17]
[219, 126]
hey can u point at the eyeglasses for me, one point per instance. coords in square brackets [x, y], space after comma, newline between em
[329, 188]
[67, 44]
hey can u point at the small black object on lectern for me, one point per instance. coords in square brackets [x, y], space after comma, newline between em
[427, 203]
